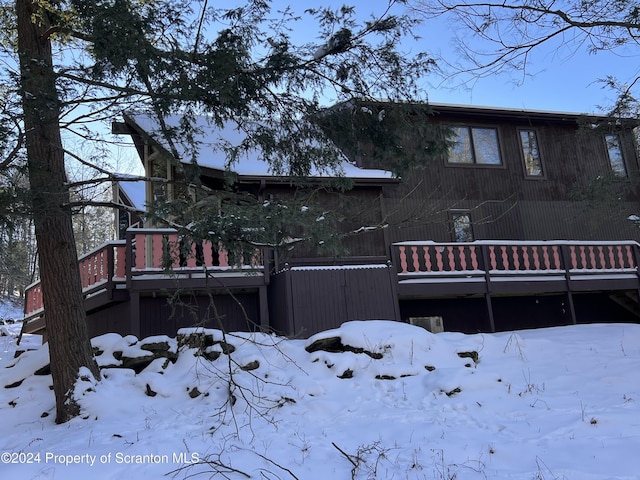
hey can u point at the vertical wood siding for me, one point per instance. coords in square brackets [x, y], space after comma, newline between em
[305, 301]
[505, 204]
[157, 316]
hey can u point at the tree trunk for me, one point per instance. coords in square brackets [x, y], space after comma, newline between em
[69, 345]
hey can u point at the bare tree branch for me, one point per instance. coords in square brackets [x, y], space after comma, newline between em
[512, 31]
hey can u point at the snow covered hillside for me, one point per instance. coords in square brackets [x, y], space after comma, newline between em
[370, 400]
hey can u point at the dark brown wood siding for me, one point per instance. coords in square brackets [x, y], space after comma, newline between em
[359, 216]
[502, 201]
[238, 312]
[114, 318]
[304, 301]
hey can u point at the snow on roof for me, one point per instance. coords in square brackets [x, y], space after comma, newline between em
[134, 191]
[339, 267]
[211, 155]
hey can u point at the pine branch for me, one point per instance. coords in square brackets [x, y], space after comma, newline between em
[95, 203]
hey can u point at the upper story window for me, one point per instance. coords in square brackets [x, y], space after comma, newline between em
[531, 153]
[614, 149]
[475, 146]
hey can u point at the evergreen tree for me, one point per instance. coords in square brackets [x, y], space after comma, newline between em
[81, 61]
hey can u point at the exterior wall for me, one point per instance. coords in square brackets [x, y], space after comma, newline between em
[469, 315]
[158, 316]
[304, 301]
[114, 318]
[359, 209]
[502, 201]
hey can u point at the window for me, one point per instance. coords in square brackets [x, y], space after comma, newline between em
[124, 222]
[531, 153]
[475, 145]
[462, 229]
[614, 148]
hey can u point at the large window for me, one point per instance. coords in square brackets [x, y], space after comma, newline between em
[475, 145]
[462, 228]
[614, 149]
[531, 153]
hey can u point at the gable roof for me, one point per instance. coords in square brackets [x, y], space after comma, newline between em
[518, 114]
[133, 192]
[210, 154]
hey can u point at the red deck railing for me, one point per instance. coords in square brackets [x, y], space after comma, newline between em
[98, 269]
[145, 251]
[160, 249]
[507, 257]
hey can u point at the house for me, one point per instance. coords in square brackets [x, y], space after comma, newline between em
[497, 233]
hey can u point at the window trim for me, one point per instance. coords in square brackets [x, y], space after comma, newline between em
[543, 170]
[470, 127]
[625, 171]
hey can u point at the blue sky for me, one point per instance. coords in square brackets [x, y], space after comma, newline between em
[558, 79]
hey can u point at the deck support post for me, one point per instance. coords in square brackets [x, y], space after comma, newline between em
[636, 264]
[134, 313]
[485, 265]
[263, 305]
[572, 308]
[393, 284]
[492, 323]
[291, 321]
[567, 265]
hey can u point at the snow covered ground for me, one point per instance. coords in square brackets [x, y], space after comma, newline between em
[392, 401]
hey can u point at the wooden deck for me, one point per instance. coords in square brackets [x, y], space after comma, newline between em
[151, 261]
[127, 283]
[503, 268]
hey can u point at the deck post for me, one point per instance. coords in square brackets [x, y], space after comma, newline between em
[484, 255]
[572, 308]
[492, 323]
[110, 270]
[263, 305]
[564, 256]
[129, 258]
[134, 313]
[289, 300]
[393, 284]
[635, 247]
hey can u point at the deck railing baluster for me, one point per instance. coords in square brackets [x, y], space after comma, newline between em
[612, 259]
[629, 256]
[525, 257]
[556, 258]
[439, 261]
[592, 257]
[603, 264]
[620, 257]
[451, 259]
[403, 259]
[427, 258]
[474, 257]
[492, 257]
[463, 259]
